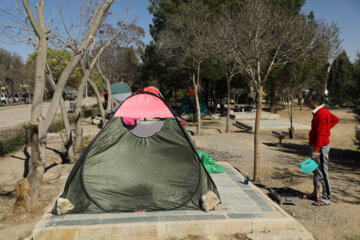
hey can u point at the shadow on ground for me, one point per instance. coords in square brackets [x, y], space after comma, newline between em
[343, 158]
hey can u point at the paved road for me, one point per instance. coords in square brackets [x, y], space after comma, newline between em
[14, 115]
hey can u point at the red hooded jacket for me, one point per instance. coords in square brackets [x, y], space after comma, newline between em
[323, 121]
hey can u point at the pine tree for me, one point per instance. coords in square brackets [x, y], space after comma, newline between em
[356, 96]
[340, 80]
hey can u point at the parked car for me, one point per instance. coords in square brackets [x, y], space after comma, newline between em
[68, 95]
[4, 98]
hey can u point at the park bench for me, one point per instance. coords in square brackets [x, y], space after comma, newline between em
[243, 126]
[280, 135]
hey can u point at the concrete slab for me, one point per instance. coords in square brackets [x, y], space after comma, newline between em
[276, 125]
[251, 115]
[246, 210]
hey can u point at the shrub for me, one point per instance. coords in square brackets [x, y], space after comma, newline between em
[89, 112]
[16, 138]
[56, 126]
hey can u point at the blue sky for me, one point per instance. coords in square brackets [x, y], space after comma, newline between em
[345, 13]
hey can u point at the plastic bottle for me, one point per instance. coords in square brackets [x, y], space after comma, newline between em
[246, 179]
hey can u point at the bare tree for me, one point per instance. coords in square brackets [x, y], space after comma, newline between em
[224, 52]
[87, 66]
[121, 57]
[185, 41]
[39, 124]
[265, 37]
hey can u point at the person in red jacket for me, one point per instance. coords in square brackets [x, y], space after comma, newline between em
[323, 120]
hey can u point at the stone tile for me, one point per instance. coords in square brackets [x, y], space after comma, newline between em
[54, 218]
[244, 215]
[63, 223]
[174, 212]
[70, 217]
[263, 205]
[247, 209]
[121, 215]
[192, 217]
[82, 222]
[129, 220]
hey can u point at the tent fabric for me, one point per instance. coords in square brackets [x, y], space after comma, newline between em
[120, 91]
[151, 89]
[122, 172]
[144, 106]
[190, 92]
[188, 106]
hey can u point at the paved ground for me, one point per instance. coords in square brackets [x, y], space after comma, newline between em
[252, 115]
[276, 124]
[14, 115]
[246, 210]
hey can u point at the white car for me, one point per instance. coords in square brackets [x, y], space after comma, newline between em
[4, 98]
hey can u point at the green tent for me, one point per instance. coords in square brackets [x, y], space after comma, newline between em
[142, 160]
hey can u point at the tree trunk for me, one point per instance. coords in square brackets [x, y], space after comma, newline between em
[300, 101]
[257, 136]
[108, 84]
[68, 138]
[291, 130]
[78, 128]
[197, 99]
[36, 165]
[228, 80]
[38, 140]
[99, 100]
[198, 116]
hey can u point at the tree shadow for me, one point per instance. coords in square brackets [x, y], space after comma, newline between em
[63, 156]
[26, 161]
[343, 165]
[50, 166]
[343, 158]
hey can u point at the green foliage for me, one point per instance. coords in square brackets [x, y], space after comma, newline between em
[154, 71]
[356, 96]
[96, 77]
[56, 126]
[58, 59]
[89, 112]
[290, 5]
[161, 10]
[340, 83]
[295, 78]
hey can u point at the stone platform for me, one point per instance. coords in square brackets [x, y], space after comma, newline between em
[276, 124]
[246, 210]
[252, 115]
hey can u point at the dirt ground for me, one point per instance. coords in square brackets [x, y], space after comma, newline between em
[279, 168]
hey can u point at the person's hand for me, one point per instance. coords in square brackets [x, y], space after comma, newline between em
[314, 155]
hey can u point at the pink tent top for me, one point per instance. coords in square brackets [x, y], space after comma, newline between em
[143, 106]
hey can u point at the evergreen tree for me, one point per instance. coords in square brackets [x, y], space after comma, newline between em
[340, 81]
[356, 96]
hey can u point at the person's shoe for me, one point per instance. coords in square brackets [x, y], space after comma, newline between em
[321, 203]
